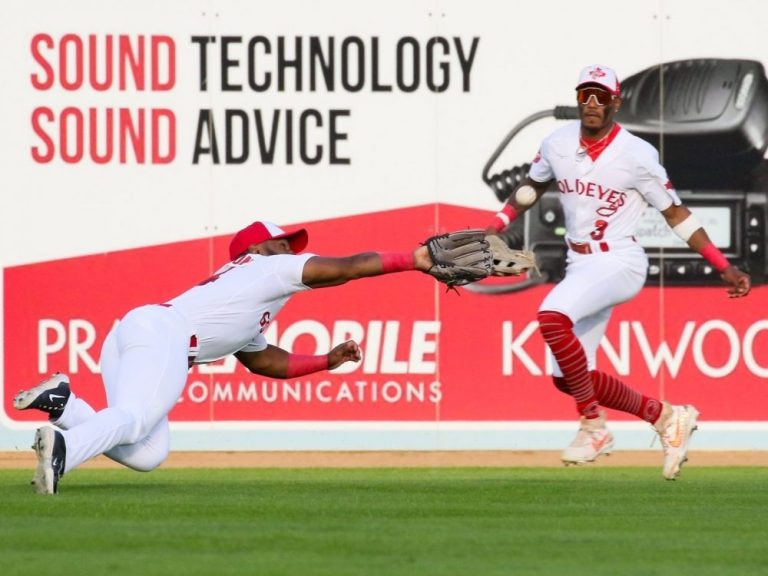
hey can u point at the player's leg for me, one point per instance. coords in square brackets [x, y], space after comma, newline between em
[146, 454]
[616, 394]
[593, 437]
[150, 376]
[151, 372]
[674, 424]
[64, 409]
[52, 396]
[150, 451]
[593, 284]
[609, 390]
[572, 320]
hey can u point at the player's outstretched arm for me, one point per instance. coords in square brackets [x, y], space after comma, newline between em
[688, 228]
[321, 272]
[279, 363]
[522, 198]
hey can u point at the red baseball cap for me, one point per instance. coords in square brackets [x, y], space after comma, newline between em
[259, 232]
[602, 76]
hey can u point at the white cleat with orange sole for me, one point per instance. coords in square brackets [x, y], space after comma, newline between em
[675, 428]
[592, 440]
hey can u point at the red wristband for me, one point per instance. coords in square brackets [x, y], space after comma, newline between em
[397, 261]
[712, 254]
[503, 218]
[300, 364]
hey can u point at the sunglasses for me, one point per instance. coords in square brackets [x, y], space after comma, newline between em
[602, 98]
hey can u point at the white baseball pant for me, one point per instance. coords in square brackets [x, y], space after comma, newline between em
[144, 364]
[593, 285]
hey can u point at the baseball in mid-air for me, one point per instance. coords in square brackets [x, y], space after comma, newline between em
[525, 195]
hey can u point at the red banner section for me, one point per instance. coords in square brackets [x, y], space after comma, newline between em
[429, 354]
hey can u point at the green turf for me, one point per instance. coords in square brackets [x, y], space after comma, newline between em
[475, 522]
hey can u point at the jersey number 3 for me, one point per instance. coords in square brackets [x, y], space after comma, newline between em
[599, 231]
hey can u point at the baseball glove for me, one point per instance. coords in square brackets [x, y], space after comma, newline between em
[460, 257]
[509, 262]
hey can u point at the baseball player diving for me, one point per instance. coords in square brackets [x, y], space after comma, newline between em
[606, 178]
[145, 358]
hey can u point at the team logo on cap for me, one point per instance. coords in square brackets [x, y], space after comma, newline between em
[596, 74]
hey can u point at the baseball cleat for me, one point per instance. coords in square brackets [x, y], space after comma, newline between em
[675, 431]
[50, 396]
[51, 458]
[592, 440]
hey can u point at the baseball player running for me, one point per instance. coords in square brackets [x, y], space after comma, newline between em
[146, 357]
[606, 178]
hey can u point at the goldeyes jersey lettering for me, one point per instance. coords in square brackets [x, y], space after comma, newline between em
[603, 198]
[613, 199]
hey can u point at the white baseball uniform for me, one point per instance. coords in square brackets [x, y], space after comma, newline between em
[603, 199]
[144, 359]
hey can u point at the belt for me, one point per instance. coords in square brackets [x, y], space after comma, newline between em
[194, 346]
[590, 247]
[586, 247]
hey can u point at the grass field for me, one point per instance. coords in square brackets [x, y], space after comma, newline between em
[462, 521]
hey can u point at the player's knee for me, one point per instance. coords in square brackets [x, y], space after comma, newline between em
[142, 456]
[146, 463]
[553, 325]
[560, 384]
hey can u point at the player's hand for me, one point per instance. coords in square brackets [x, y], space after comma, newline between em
[421, 259]
[740, 282]
[348, 351]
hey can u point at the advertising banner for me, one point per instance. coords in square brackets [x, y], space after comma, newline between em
[139, 138]
[429, 354]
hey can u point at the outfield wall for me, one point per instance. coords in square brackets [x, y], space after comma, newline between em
[138, 137]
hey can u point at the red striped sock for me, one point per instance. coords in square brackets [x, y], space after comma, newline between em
[613, 393]
[557, 330]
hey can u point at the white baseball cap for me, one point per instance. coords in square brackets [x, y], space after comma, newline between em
[601, 76]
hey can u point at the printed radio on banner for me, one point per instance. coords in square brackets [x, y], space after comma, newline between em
[709, 120]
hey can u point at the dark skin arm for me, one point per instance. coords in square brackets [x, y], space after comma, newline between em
[273, 361]
[739, 283]
[322, 271]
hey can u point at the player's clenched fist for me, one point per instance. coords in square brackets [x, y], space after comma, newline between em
[348, 351]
